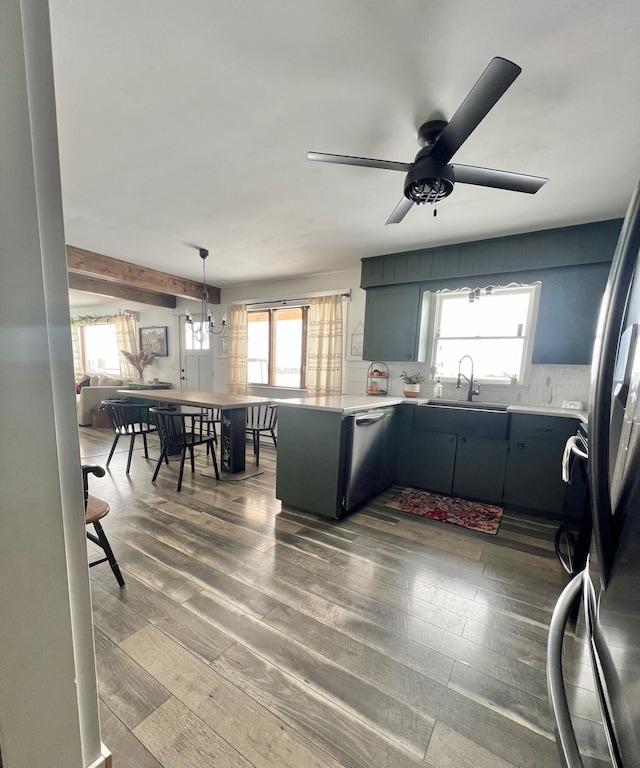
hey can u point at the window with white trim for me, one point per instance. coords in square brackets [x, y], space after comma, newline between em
[99, 348]
[277, 347]
[495, 326]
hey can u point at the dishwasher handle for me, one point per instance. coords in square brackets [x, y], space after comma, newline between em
[372, 417]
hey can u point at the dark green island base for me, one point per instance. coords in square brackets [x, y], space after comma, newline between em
[512, 459]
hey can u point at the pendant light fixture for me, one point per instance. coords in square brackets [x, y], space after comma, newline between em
[207, 320]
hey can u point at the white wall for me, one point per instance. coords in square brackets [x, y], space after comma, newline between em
[354, 370]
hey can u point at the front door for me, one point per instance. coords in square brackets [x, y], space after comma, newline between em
[196, 358]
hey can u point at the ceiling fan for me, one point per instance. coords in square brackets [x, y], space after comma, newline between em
[431, 177]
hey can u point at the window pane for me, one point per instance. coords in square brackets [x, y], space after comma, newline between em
[194, 338]
[288, 346]
[492, 358]
[101, 348]
[466, 328]
[500, 314]
[258, 348]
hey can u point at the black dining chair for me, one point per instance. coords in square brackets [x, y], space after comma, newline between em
[94, 510]
[261, 419]
[212, 416]
[129, 420]
[179, 432]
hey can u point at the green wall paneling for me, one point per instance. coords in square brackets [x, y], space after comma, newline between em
[562, 247]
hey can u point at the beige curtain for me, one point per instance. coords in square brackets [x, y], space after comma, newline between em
[325, 346]
[77, 357]
[126, 339]
[238, 333]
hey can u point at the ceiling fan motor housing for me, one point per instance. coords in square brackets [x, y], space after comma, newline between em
[429, 181]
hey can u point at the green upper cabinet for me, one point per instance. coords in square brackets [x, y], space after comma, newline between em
[571, 263]
[568, 314]
[392, 323]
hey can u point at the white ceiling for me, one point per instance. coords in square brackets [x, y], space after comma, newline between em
[187, 122]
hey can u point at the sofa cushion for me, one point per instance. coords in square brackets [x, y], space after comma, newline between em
[110, 381]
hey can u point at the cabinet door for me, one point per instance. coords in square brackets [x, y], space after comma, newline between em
[479, 469]
[432, 460]
[391, 323]
[533, 477]
[567, 315]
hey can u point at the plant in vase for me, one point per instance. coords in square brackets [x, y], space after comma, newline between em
[412, 383]
[139, 360]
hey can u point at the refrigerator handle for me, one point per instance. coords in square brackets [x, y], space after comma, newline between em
[567, 745]
[590, 611]
[610, 320]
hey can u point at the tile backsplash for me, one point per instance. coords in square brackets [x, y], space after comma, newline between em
[548, 385]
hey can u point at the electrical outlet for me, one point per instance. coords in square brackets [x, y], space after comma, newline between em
[573, 405]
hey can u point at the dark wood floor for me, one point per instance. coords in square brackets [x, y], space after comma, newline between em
[252, 635]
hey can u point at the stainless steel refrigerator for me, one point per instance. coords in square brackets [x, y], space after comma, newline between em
[609, 587]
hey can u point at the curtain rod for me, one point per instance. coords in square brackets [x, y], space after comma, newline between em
[345, 293]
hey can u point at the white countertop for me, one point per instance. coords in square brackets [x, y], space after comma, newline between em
[548, 410]
[346, 403]
[351, 403]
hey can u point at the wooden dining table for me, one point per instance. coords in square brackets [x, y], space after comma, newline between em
[233, 418]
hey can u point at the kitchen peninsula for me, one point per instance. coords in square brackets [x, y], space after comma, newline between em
[336, 452]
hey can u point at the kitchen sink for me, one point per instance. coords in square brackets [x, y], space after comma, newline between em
[476, 405]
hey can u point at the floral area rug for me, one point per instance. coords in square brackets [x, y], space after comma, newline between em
[468, 514]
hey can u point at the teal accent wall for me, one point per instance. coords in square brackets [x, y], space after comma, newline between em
[564, 247]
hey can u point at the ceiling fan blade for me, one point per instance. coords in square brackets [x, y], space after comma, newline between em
[487, 177]
[492, 84]
[367, 162]
[400, 211]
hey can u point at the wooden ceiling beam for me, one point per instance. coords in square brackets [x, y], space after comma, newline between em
[107, 268]
[120, 291]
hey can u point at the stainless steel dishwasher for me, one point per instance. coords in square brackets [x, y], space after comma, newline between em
[365, 456]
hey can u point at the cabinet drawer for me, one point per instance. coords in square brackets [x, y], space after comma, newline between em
[551, 427]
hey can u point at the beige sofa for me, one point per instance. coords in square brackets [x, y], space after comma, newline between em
[90, 398]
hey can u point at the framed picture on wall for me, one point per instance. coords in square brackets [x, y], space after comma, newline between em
[154, 339]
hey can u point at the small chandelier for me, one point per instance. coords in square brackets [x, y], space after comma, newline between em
[207, 320]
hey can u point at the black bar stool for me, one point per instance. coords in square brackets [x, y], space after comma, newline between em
[94, 510]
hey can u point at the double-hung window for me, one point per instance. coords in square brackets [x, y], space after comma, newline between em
[493, 325]
[99, 348]
[277, 348]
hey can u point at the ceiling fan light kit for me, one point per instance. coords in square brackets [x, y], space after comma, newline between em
[431, 177]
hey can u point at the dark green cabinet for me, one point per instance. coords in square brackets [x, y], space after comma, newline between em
[533, 476]
[311, 457]
[479, 469]
[392, 322]
[459, 451]
[567, 315]
[458, 465]
[433, 456]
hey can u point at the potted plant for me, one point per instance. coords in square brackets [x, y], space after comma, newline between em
[412, 383]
